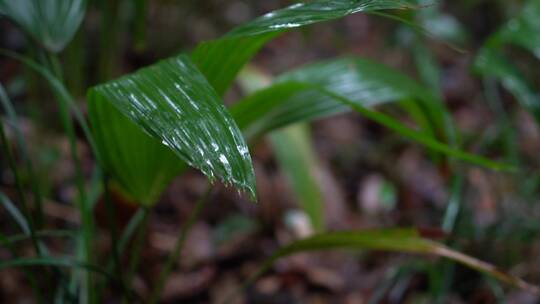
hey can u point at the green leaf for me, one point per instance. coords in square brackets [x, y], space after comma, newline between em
[50, 22]
[140, 163]
[397, 240]
[292, 147]
[295, 95]
[324, 89]
[220, 60]
[174, 103]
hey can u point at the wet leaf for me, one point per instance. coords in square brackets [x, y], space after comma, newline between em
[52, 23]
[289, 100]
[174, 104]
[143, 174]
[220, 60]
[324, 89]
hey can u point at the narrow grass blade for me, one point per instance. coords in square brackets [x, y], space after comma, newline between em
[395, 240]
[40, 234]
[52, 23]
[15, 213]
[173, 102]
[54, 261]
[13, 119]
[59, 90]
[293, 149]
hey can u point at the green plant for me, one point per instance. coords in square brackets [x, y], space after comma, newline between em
[149, 126]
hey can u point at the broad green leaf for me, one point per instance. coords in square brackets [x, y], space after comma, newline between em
[174, 103]
[140, 163]
[292, 147]
[290, 100]
[52, 23]
[396, 240]
[324, 89]
[295, 155]
[220, 60]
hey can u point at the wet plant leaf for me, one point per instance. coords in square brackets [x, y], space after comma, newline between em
[291, 100]
[324, 89]
[141, 165]
[220, 60]
[174, 104]
[52, 23]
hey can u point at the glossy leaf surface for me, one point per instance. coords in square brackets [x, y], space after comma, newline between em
[174, 103]
[220, 60]
[293, 97]
[52, 23]
[321, 90]
[140, 163]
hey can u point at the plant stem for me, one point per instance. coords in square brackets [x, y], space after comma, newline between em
[20, 192]
[113, 228]
[83, 205]
[136, 252]
[173, 257]
[123, 240]
[28, 273]
[21, 143]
